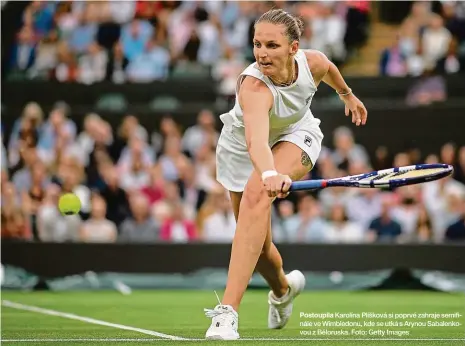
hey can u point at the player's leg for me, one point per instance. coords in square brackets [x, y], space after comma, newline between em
[254, 219]
[251, 232]
[270, 263]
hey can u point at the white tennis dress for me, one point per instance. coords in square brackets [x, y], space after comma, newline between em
[290, 120]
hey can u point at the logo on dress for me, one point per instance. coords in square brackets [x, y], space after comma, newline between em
[308, 141]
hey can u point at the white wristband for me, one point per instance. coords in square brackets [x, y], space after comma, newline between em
[268, 174]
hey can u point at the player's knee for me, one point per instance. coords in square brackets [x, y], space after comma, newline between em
[255, 197]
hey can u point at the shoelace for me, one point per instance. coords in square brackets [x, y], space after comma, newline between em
[211, 313]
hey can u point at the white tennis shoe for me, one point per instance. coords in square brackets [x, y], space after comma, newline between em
[280, 310]
[225, 322]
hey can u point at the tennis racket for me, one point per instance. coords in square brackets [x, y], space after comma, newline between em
[386, 178]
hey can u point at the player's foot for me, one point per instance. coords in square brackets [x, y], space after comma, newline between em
[225, 322]
[280, 309]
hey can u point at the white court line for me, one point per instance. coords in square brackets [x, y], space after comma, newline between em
[245, 339]
[165, 337]
[82, 340]
[18, 306]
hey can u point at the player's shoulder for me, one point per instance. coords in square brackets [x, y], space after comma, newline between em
[253, 84]
[318, 63]
[314, 56]
[253, 92]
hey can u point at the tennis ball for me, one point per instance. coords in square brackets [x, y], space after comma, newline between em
[69, 204]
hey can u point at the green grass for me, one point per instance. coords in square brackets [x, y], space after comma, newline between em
[180, 313]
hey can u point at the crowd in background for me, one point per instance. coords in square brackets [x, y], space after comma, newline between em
[431, 39]
[143, 41]
[137, 186]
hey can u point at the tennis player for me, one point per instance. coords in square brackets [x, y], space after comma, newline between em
[269, 139]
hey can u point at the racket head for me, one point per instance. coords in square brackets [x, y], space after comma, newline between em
[402, 176]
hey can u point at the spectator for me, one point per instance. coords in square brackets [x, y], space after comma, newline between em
[23, 53]
[220, 225]
[66, 22]
[364, 206]
[341, 230]
[192, 195]
[441, 198]
[32, 198]
[22, 178]
[66, 69]
[337, 195]
[168, 128]
[384, 228]
[93, 64]
[39, 16]
[177, 228]
[210, 48]
[130, 127]
[98, 229]
[328, 30]
[307, 225]
[172, 161]
[46, 56]
[136, 150]
[115, 197]
[117, 65]
[14, 224]
[58, 132]
[451, 63]
[154, 190]
[435, 41]
[346, 150]
[172, 197]
[456, 231]
[447, 154]
[26, 133]
[85, 33]
[424, 229]
[393, 61]
[406, 212]
[201, 133]
[137, 176]
[134, 37]
[52, 225]
[149, 65]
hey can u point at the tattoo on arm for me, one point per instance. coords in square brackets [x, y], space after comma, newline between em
[305, 159]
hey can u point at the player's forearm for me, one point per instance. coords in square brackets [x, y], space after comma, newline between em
[335, 80]
[261, 156]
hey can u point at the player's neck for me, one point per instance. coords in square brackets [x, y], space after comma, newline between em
[288, 76]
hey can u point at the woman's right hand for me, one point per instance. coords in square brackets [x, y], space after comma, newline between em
[276, 185]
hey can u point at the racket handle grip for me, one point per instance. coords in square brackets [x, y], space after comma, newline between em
[307, 185]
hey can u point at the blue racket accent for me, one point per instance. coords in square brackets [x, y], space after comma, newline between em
[386, 178]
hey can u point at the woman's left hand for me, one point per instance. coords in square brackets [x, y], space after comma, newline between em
[356, 107]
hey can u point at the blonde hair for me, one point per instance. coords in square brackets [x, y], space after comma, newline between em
[294, 25]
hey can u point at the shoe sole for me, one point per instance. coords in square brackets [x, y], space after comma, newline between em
[219, 337]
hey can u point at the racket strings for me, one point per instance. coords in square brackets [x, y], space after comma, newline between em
[409, 174]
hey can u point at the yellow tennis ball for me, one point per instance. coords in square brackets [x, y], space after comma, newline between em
[69, 204]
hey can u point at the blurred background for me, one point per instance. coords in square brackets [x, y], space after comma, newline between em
[118, 102]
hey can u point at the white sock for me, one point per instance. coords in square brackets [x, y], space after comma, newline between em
[284, 297]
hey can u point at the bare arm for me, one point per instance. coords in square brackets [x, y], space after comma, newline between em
[323, 69]
[256, 101]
